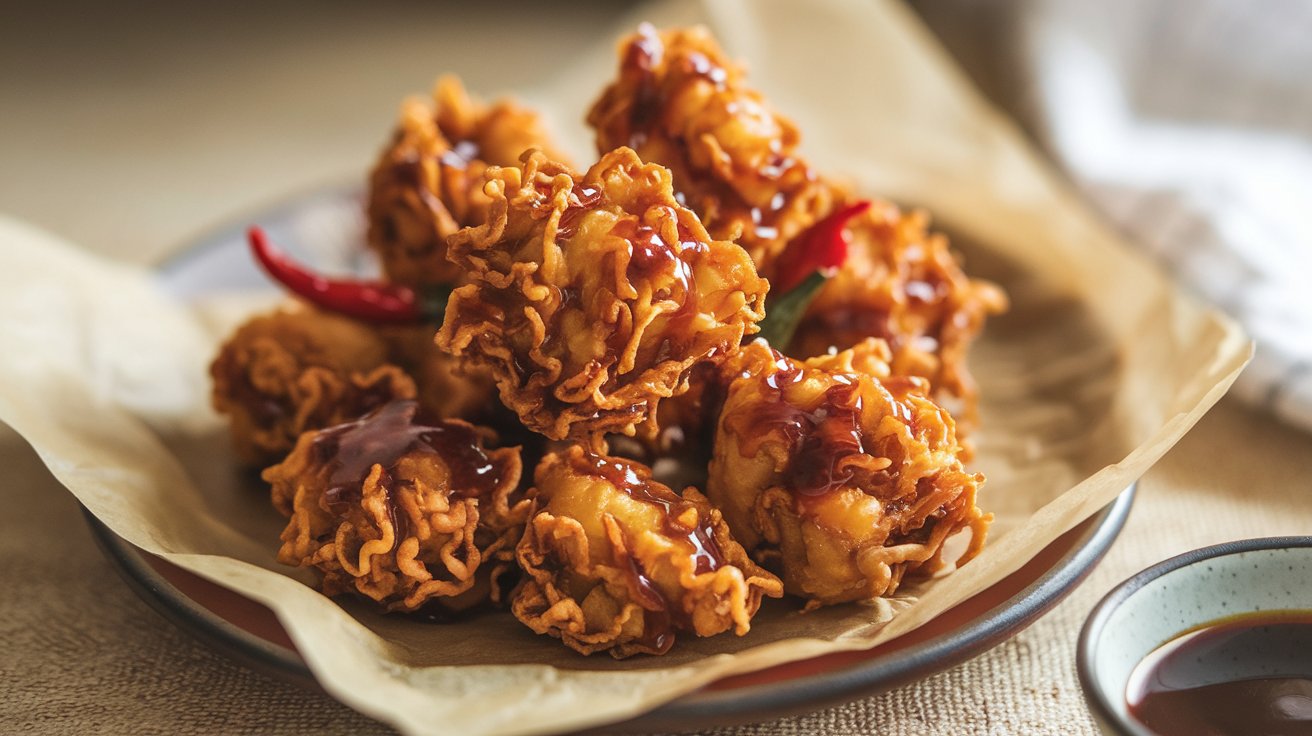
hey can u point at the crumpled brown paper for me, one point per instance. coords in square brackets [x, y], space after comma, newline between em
[1098, 369]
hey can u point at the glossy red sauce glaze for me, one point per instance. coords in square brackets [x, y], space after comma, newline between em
[657, 80]
[383, 438]
[583, 200]
[636, 481]
[662, 619]
[824, 436]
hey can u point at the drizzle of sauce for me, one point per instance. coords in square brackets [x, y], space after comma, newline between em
[653, 260]
[658, 625]
[653, 89]
[640, 61]
[408, 170]
[637, 482]
[1249, 674]
[822, 438]
[650, 256]
[584, 199]
[661, 620]
[386, 435]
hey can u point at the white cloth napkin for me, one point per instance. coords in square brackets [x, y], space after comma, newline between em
[1189, 124]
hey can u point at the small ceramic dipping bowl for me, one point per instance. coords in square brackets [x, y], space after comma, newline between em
[1221, 583]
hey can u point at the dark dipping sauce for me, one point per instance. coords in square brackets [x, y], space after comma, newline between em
[1247, 675]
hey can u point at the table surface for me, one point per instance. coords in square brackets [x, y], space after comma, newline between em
[129, 133]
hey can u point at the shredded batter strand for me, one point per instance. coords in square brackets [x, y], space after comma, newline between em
[592, 296]
[410, 515]
[296, 370]
[428, 183]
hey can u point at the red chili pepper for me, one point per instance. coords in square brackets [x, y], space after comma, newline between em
[373, 301]
[821, 247]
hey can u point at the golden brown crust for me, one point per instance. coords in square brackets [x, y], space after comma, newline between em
[840, 481]
[428, 183]
[901, 283]
[294, 370]
[405, 514]
[680, 102]
[607, 303]
[592, 296]
[616, 561]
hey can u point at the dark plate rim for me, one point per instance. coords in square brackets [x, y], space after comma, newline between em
[704, 708]
[1092, 631]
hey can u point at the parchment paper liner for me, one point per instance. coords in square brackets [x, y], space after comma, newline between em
[1099, 369]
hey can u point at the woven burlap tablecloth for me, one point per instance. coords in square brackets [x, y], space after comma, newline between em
[119, 133]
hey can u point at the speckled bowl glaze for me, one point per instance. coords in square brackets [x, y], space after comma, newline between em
[1179, 594]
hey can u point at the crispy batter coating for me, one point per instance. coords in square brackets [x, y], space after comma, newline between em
[413, 516]
[591, 297]
[901, 283]
[616, 561]
[294, 370]
[842, 482]
[447, 389]
[428, 183]
[680, 102]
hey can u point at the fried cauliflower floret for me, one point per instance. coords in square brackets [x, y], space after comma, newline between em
[592, 297]
[840, 478]
[902, 284]
[428, 183]
[295, 370]
[413, 516]
[680, 102]
[615, 561]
